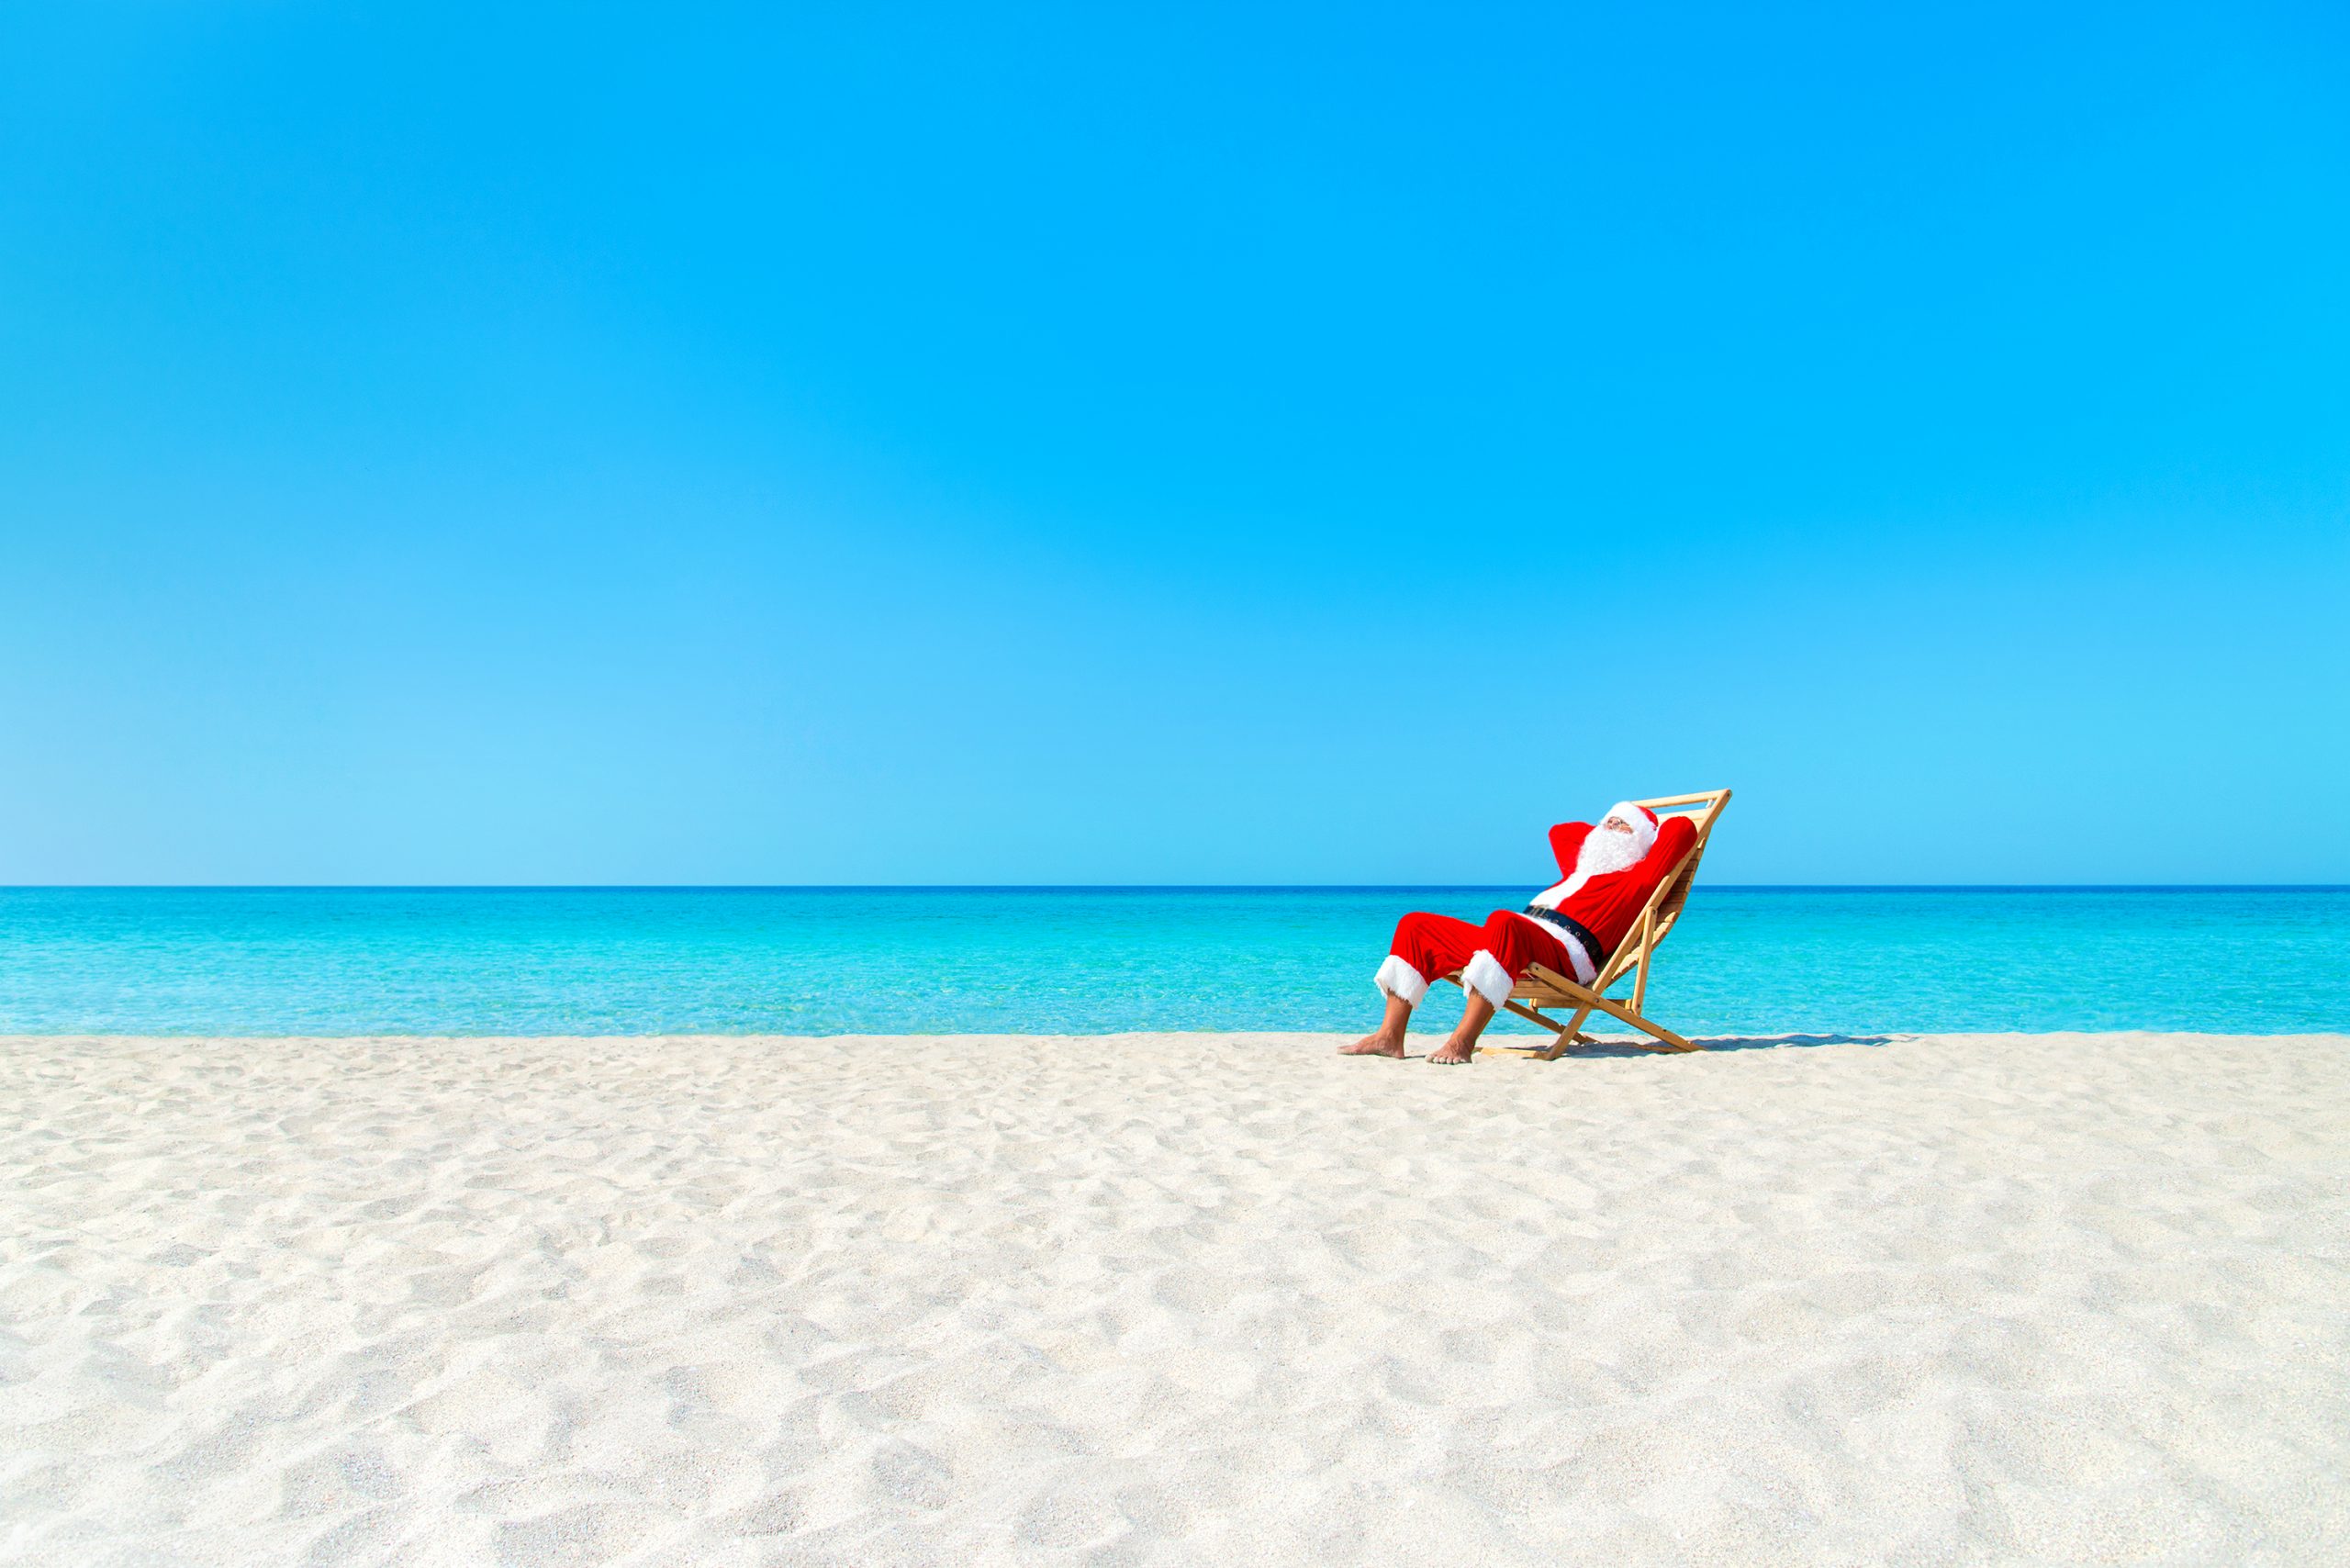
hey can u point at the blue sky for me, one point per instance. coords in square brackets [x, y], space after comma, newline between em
[1259, 445]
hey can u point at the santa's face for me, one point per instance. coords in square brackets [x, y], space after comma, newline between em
[1604, 852]
[1617, 824]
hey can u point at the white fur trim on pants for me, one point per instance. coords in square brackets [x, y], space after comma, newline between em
[1484, 975]
[1398, 978]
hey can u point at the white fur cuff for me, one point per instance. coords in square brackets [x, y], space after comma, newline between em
[1485, 976]
[1398, 978]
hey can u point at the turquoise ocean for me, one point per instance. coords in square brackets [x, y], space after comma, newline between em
[1746, 961]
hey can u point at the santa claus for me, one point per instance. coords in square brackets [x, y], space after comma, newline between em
[1606, 874]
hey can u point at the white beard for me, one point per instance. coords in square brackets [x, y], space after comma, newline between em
[1603, 851]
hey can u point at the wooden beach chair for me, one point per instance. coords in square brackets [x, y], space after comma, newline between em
[1544, 988]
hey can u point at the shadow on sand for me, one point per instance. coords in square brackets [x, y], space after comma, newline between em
[1622, 1047]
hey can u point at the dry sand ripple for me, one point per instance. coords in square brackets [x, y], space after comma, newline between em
[1212, 1299]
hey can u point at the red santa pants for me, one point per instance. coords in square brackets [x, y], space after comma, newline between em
[1490, 956]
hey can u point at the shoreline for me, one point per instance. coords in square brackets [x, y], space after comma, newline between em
[1163, 1297]
[1791, 1040]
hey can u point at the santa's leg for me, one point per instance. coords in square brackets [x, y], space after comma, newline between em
[1387, 1040]
[1462, 1047]
[1425, 945]
[1506, 945]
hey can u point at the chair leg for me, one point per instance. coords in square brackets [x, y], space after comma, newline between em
[1531, 1016]
[1567, 1036]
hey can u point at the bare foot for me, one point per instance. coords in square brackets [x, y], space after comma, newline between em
[1452, 1054]
[1374, 1045]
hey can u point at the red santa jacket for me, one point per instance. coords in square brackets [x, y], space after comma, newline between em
[1608, 905]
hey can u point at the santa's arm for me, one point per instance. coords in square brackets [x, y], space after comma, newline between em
[1672, 841]
[1566, 843]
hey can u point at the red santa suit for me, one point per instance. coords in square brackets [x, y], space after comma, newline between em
[1593, 906]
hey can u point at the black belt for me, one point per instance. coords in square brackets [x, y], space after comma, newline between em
[1584, 939]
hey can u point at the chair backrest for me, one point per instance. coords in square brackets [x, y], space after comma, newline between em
[1665, 903]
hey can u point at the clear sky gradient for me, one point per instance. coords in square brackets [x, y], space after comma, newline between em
[1126, 444]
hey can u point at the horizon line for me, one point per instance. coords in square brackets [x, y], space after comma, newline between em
[1137, 887]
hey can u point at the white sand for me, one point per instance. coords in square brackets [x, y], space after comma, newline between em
[1210, 1299]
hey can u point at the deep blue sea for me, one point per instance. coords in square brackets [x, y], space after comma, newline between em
[800, 960]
